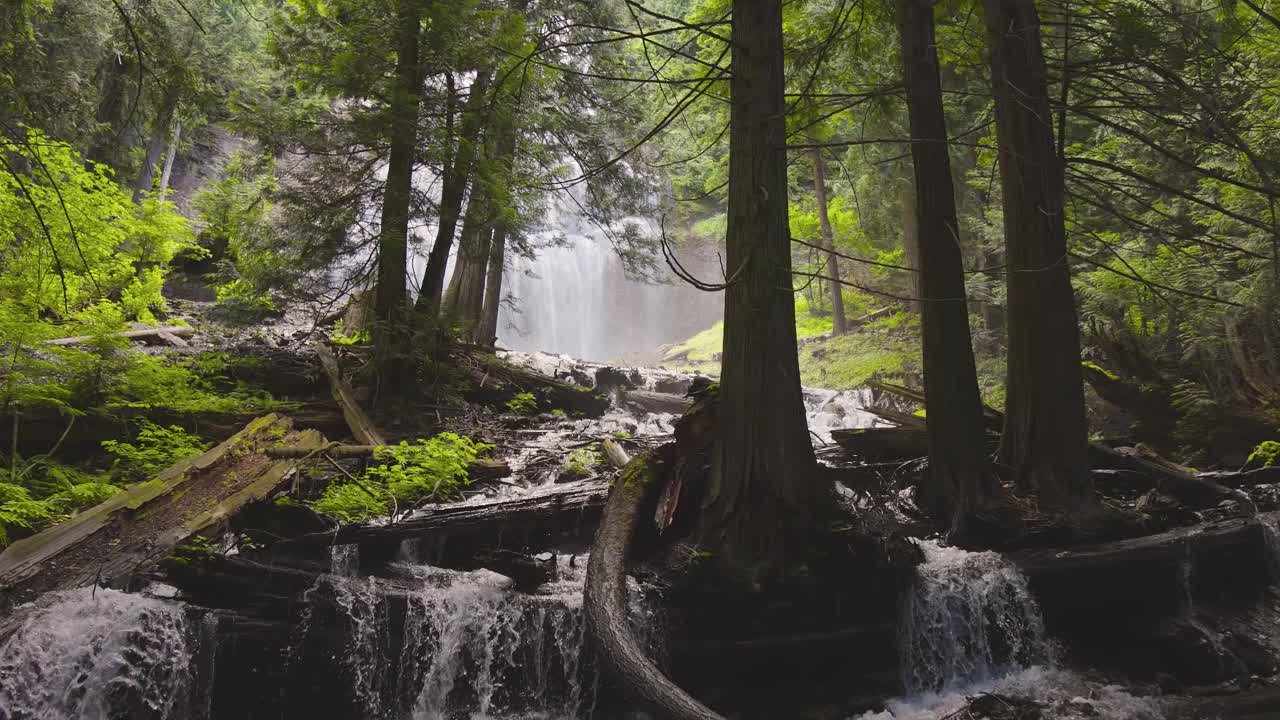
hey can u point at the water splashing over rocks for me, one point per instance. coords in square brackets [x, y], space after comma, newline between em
[96, 655]
[969, 617]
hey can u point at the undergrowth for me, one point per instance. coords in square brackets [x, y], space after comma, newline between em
[402, 476]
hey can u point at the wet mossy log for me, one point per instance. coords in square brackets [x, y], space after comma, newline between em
[533, 521]
[1117, 603]
[134, 529]
[362, 428]
[495, 381]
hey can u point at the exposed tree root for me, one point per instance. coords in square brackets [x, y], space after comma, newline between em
[605, 602]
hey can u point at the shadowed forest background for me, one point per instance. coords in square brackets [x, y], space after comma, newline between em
[559, 358]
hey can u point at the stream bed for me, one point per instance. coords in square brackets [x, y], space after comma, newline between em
[425, 643]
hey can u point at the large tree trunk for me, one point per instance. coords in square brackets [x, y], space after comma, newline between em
[452, 193]
[465, 295]
[391, 332]
[838, 324]
[911, 237]
[157, 141]
[1045, 432]
[958, 465]
[763, 495]
[488, 332]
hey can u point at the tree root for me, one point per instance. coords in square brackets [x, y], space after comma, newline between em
[605, 602]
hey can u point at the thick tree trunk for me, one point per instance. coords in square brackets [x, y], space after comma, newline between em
[156, 142]
[452, 193]
[1045, 432]
[488, 333]
[465, 296]
[958, 464]
[764, 495]
[838, 324]
[911, 237]
[391, 333]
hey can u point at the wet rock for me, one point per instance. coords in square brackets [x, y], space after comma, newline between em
[673, 386]
[609, 379]
[1164, 511]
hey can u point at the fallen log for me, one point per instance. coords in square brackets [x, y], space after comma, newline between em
[614, 453]
[480, 469]
[527, 521]
[994, 418]
[132, 530]
[494, 381]
[883, 444]
[654, 402]
[1192, 490]
[173, 331]
[1246, 478]
[1119, 604]
[362, 428]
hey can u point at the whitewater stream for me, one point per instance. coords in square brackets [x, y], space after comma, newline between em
[435, 644]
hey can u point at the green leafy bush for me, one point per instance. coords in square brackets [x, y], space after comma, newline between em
[581, 461]
[84, 495]
[523, 404]
[432, 470]
[19, 510]
[156, 448]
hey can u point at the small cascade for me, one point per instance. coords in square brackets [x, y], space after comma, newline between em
[969, 618]
[358, 601]
[463, 645]
[970, 626]
[486, 652]
[1271, 538]
[95, 654]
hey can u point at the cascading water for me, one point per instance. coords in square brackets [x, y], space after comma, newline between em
[970, 625]
[94, 655]
[466, 645]
[969, 618]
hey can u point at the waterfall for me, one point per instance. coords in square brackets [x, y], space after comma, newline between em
[969, 625]
[576, 298]
[94, 655]
[968, 618]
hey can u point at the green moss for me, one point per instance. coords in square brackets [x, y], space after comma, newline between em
[1266, 454]
[848, 361]
[1095, 367]
[636, 473]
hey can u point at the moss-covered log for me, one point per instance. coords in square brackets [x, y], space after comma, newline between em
[134, 529]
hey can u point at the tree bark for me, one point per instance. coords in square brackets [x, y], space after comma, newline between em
[157, 141]
[838, 324]
[391, 333]
[1045, 434]
[911, 237]
[488, 333]
[452, 193]
[465, 297]
[763, 497]
[958, 466]
[169, 157]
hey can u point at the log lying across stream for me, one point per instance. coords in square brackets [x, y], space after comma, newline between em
[134, 529]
